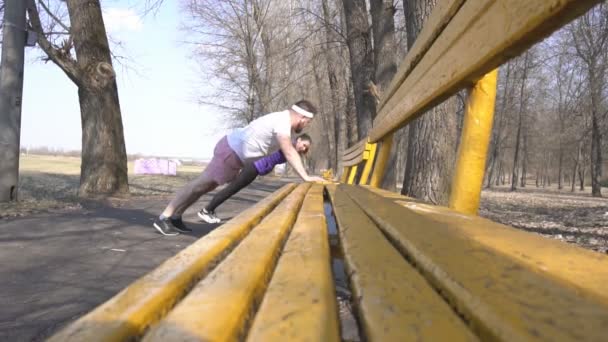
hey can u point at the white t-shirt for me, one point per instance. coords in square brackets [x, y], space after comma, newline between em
[259, 138]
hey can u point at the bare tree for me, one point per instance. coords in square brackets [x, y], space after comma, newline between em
[82, 51]
[590, 38]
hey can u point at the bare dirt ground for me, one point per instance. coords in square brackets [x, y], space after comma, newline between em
[574, 217]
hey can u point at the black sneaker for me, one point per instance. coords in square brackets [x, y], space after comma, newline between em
[208, 216]
[165, 227]
[179, 225]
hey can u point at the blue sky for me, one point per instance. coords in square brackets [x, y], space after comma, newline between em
[157, 90]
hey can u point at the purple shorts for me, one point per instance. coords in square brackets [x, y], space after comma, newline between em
[225, 164]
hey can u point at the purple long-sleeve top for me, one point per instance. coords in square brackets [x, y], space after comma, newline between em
[266, 164]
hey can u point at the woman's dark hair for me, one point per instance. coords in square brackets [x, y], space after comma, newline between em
[304, 137]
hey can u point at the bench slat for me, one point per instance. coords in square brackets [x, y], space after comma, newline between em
[568, 263]
[357, 147]
[301, 288]
[218, 307]
[354, 155]
[395, 303]
[356, 160]
[128, 313]
[504, 299]
[481, 36]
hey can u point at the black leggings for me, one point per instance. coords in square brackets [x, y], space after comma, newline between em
[245, 177]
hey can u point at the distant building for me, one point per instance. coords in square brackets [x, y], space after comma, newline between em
[155, 166]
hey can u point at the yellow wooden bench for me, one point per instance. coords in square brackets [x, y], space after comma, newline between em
[417, 271]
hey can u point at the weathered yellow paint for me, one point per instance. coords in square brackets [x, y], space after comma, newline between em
[300, 303]
[126, 315]
[383, 156]
[393, 301]
[369, 163]
[504, 299]
[473, 148]
[345, 174]
[353, 174]
[218, 307]
[565, 262]
[481, 36]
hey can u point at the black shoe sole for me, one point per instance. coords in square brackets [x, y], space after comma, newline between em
[183, 231]
[162, 232]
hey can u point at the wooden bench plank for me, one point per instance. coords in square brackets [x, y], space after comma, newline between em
[358, 146]
[565, 262]
[354, 161]
[480, 37]
[300, 303]
[354, 155]
[394, 302]
[218, 307]
[127, 314]
[503, 299]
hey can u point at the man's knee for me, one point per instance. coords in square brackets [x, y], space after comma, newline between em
[203, 184]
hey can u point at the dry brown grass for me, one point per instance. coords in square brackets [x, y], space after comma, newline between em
[574, 217]
[48, 183]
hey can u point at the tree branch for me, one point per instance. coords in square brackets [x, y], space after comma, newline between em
[62, 59]
[53, 16]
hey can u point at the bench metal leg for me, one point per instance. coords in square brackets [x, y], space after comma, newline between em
[476, 131]
[369, 163]
[345, 173]
[352, 174]
[383, 155]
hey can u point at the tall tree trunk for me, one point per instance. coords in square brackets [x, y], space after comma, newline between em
[326, 116]
[104, 157]
[499, 175]
[560, 165]
[581, 177]
[596, 135]
[432, 138]
[385, 55]
[519, 122]
[498, 131]
[590, 39]
[351, 114]
[577, 162]
[524, 162]
[330, 64]
[361, 62]
[385, 47]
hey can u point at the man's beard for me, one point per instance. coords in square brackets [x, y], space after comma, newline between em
[298, 130]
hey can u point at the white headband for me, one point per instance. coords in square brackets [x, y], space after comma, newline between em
[302, 111]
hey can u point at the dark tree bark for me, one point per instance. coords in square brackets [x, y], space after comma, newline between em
[520, 122]
[432, 138]
[361, 62]
[336, 144]
[385, 56]
[590, 37]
